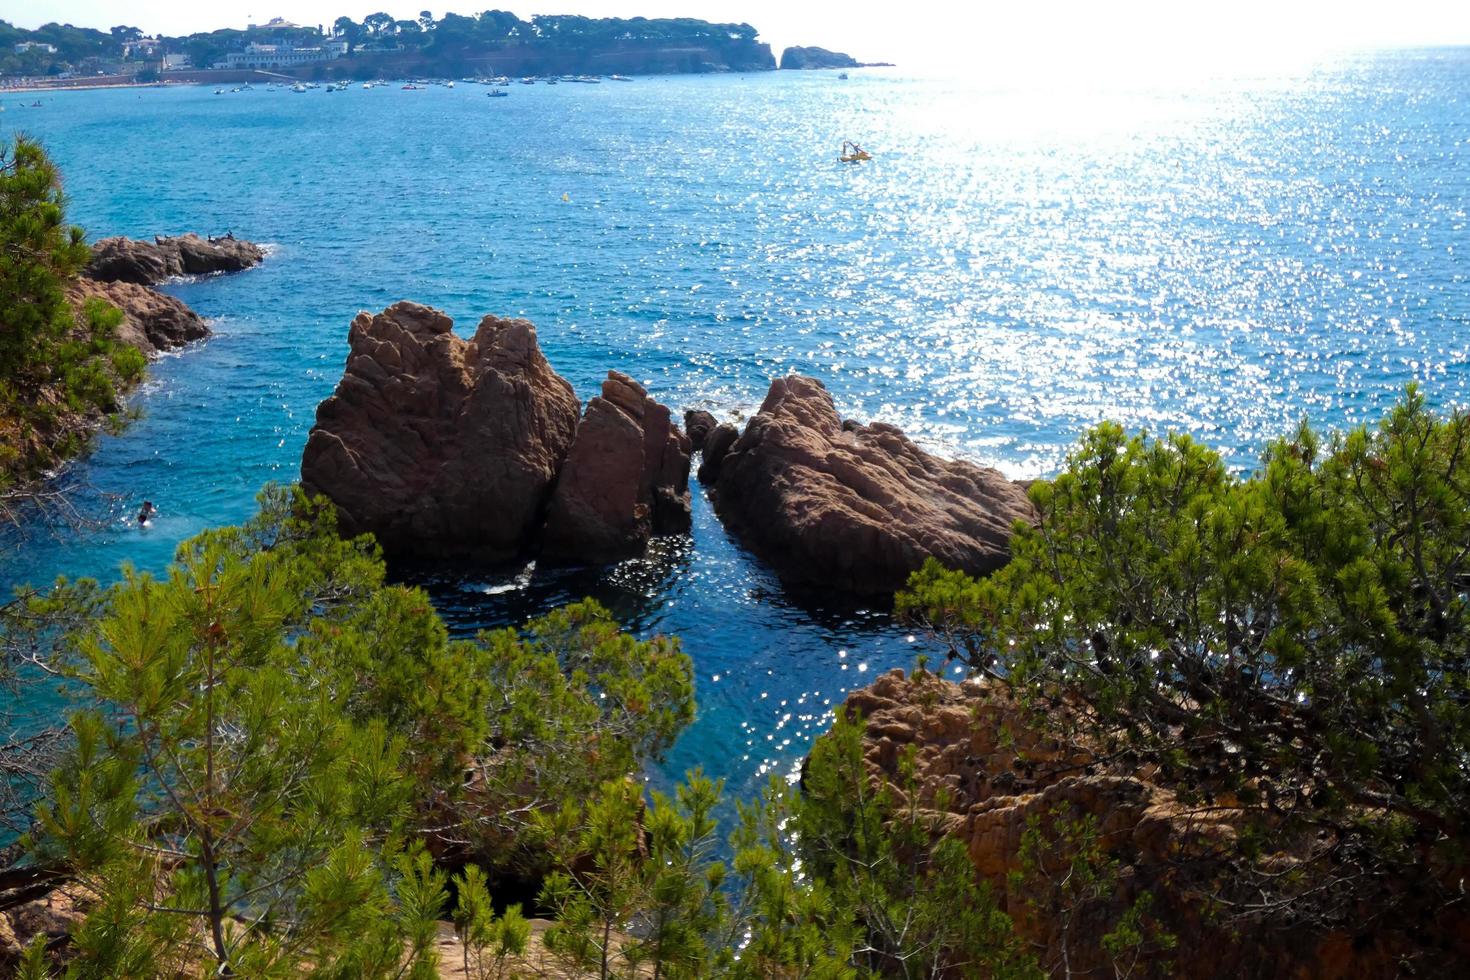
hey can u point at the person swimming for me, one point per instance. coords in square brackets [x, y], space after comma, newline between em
[146, 513]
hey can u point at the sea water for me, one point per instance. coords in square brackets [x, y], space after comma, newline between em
[1020, 259]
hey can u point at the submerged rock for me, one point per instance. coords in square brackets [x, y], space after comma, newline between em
[153, 322]
[149, 263]
[855, 507]
[625, 480]
[438, 445]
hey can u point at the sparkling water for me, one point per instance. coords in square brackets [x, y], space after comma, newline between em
[1016, 262]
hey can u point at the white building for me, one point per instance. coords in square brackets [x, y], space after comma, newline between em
[282, 55]
[25, 46]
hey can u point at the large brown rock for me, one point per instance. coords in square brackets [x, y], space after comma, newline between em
[625, 480]
[150, 263]
[153, 322]
[438, 445]
[857, 507]
[984, 773]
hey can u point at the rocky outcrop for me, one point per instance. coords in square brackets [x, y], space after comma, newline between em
[153, 322]
[799, 58]
[985, 774]
[856, 507]
[625, 480]
[438, 445]
[147, 264]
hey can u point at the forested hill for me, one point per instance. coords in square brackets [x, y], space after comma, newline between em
[560, 43]
[494, 41]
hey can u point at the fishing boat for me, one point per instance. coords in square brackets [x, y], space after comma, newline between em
[852, 153]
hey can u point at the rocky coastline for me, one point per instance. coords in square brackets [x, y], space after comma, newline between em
[986, 774]
[122, 275]
[122, 272]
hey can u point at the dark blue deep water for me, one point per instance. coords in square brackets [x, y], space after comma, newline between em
[1221, 257]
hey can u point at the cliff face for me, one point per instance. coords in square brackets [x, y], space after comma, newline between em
[1002, 777]
[798, 58]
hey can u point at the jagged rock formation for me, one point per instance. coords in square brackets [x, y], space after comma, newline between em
[999, 774]
[153, 322]
[855, 507]
[150, 263]
[438, 445]
[625, 479]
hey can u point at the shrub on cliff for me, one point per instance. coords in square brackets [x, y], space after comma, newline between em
[57, 371]
[1291, 645]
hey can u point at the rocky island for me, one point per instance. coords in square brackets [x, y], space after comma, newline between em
[808, 58]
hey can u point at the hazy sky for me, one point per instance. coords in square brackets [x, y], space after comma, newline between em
[1086, 34]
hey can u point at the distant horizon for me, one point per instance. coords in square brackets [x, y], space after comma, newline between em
[1069, 38]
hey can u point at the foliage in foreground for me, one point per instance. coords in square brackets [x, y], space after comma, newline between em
[1291, 646]
[270, 736]
[58, 372]
[278, 761]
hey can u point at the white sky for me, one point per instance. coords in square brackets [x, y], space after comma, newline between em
[1099, 35]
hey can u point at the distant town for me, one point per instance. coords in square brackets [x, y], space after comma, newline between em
[491, 43]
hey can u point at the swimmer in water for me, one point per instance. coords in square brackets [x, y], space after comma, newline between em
[146, 513]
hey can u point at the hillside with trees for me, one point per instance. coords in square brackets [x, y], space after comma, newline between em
[495, 41]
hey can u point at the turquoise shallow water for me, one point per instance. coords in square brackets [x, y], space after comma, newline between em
[1016, 263]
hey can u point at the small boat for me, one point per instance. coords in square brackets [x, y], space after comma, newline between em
[528, 81]
[498, 94]
[852, 153]
[298, 88]
[410, 87]
[551, 81]
[843, 76]
[620, 78]
[219, 91]
[449, 85]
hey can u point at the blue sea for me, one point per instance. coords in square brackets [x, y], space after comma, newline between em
[1219, 255]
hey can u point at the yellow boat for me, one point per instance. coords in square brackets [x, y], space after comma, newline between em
[852, 153]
